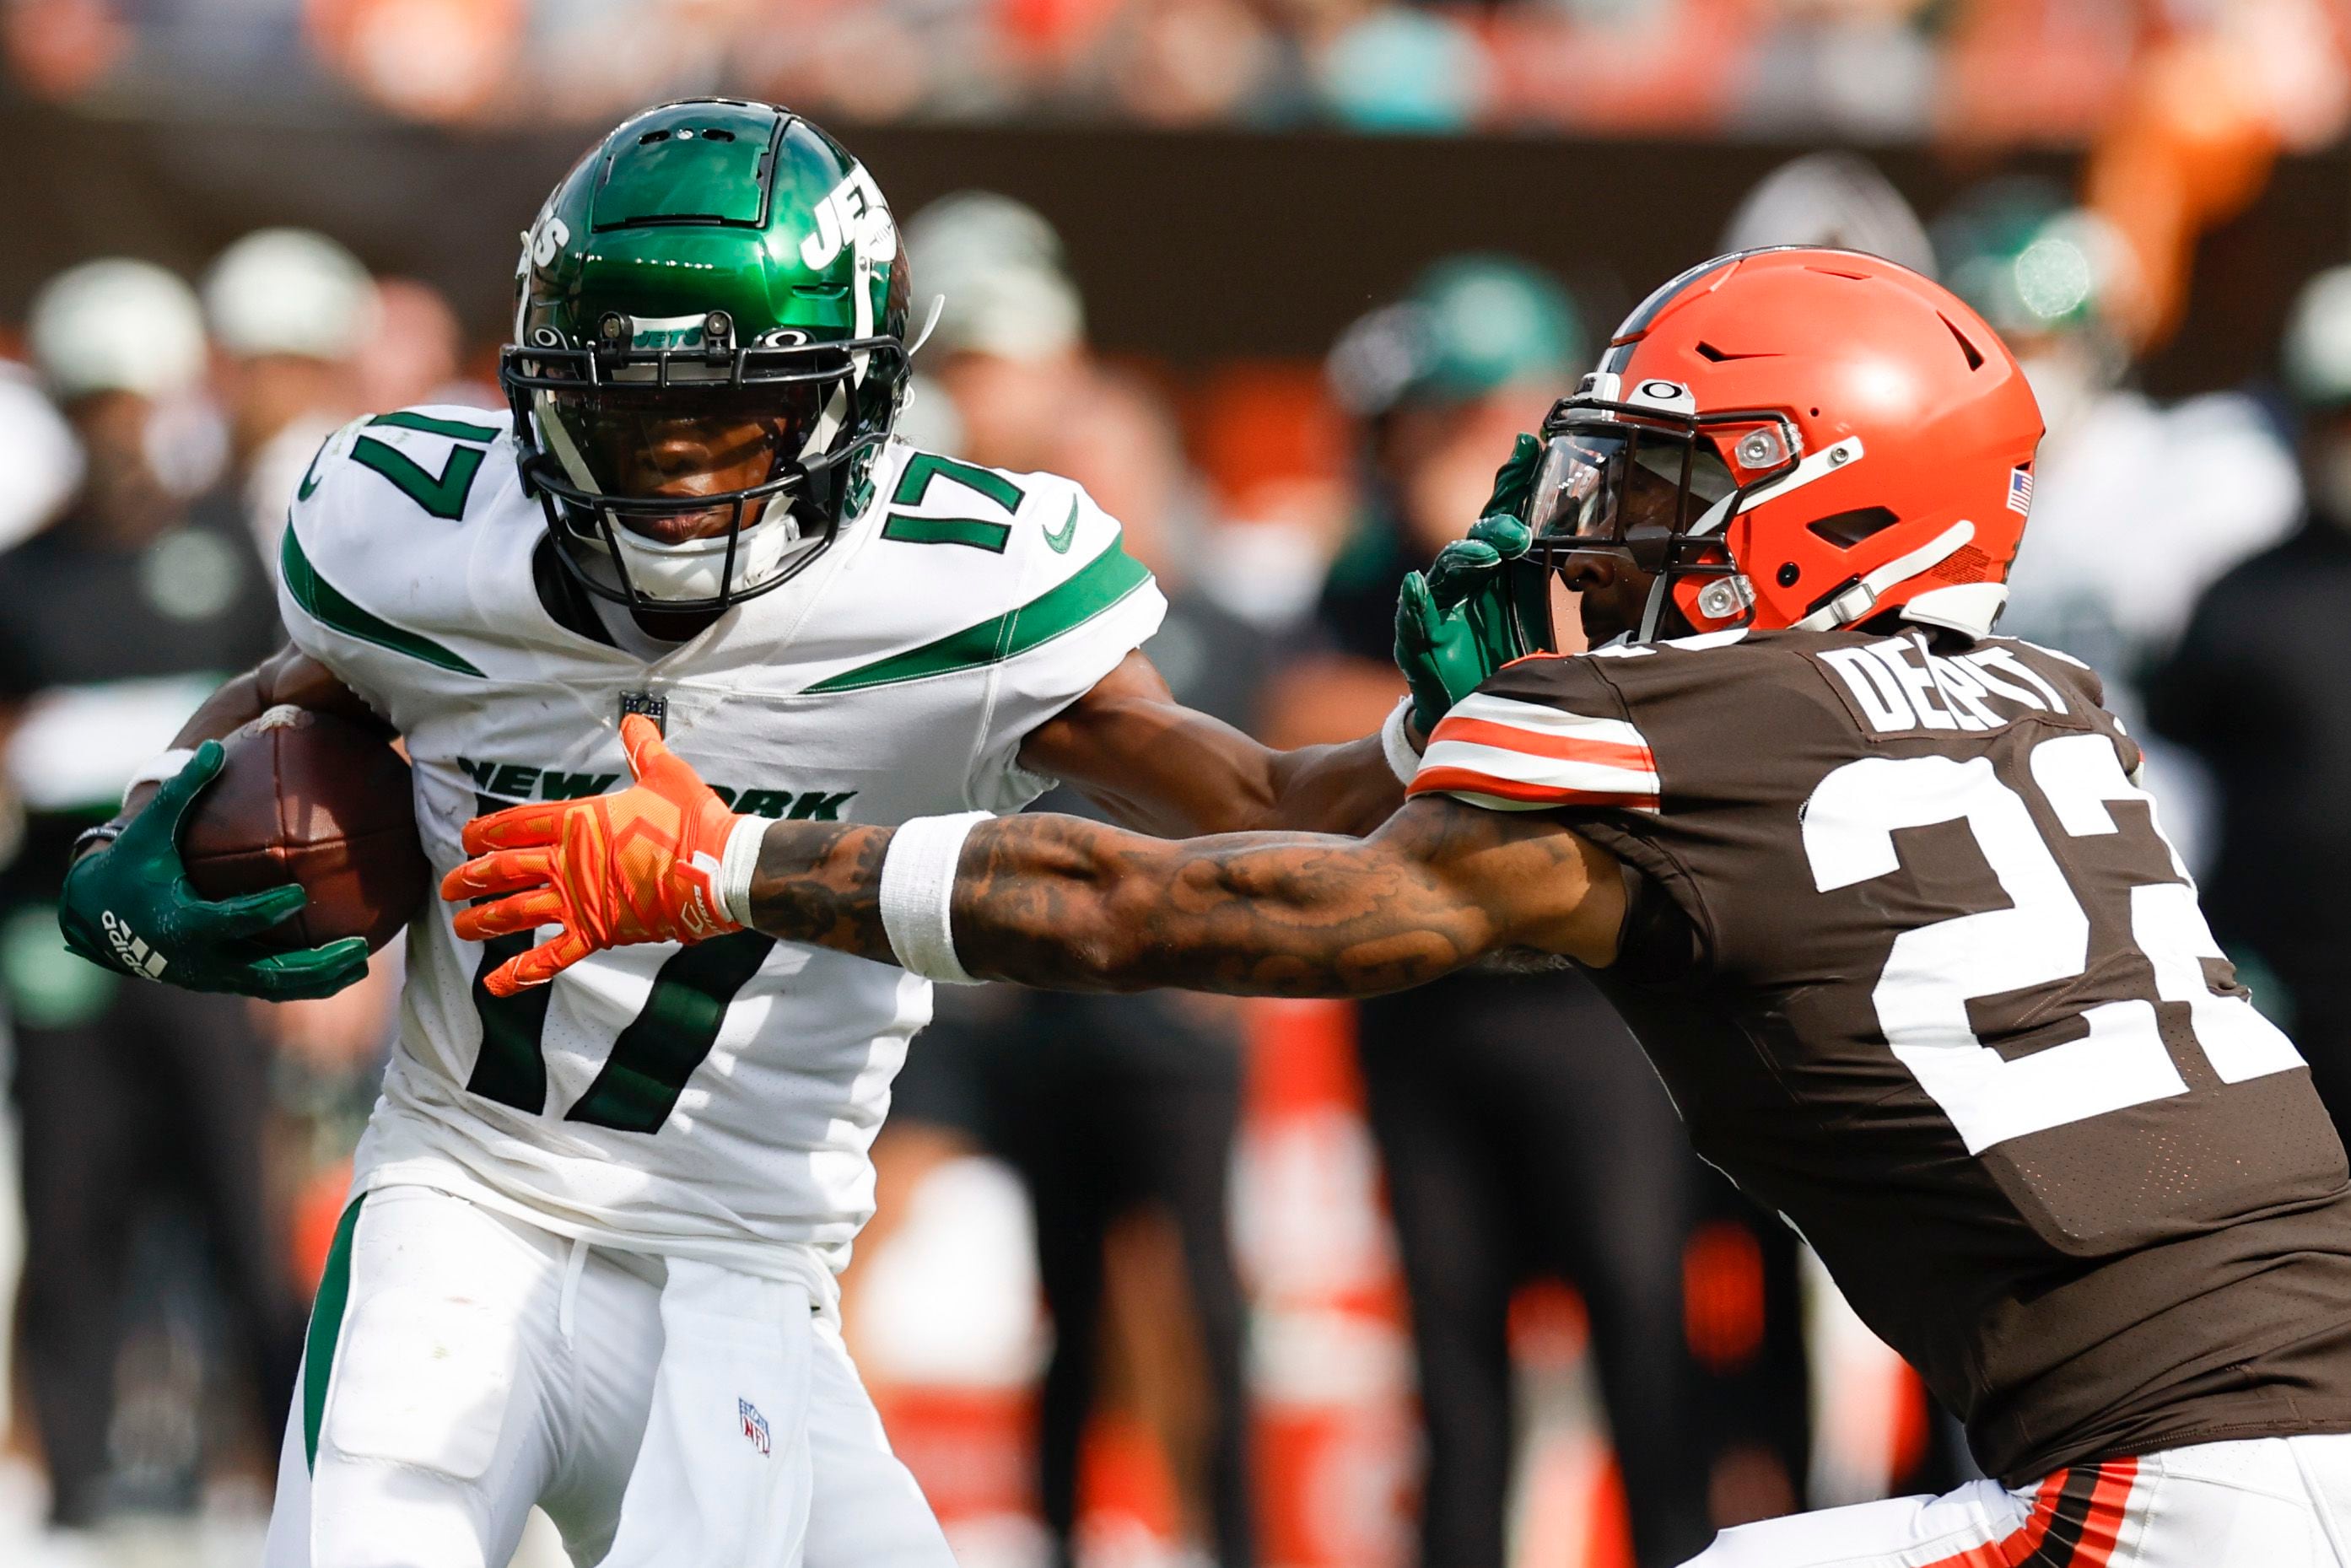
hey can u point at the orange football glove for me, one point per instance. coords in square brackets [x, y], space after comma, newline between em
[639, 866]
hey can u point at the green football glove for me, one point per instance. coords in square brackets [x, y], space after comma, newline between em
[1458, 623]
[128, 907]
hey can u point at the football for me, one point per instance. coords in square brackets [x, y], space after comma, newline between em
[309, 798]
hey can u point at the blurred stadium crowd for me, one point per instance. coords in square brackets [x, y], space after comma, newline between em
[1163, 1279]
[1994, 71]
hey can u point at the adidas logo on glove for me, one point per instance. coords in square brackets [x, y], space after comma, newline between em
[136, 955]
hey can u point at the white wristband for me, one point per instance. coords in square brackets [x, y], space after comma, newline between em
[737, 864]
[159, 770]
[918, 891]
[1395, 743]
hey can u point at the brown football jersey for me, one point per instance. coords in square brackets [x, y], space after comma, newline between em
[1924, 976]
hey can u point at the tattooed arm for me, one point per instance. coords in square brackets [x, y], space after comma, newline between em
[1158, 766]
[1044, 901]
[1068, 904]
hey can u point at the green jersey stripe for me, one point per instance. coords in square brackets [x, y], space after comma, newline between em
[326, 604]
[455, 428]
[1094, 587]
[327, 1330]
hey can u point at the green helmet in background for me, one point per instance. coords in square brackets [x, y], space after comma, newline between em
[709, 350]
[2048, 276]
[1472, 323]
[2030, 262]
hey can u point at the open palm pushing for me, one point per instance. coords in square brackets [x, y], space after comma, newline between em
[638, 866]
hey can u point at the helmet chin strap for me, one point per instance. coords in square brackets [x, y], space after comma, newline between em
[1853, 603]
[1654, 611]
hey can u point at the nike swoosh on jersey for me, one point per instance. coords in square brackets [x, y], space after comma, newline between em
[1059, 537]
[310, 475]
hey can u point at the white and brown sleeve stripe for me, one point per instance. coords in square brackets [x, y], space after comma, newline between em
[1511, 755]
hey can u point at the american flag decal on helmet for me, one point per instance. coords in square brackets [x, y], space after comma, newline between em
[755, 1425]
[1512, 756]
[2019, 489]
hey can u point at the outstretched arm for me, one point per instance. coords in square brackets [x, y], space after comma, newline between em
[1158, 766]
[1066, 904]
[1042, 899]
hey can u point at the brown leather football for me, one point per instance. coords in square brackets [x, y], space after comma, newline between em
[309, 798]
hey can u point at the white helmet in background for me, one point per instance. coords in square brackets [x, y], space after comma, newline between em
[289, 291]
[117, 325]
[39, 455]
[2318, 341]
[1836, 200]
[997, 268]
[2318, 375]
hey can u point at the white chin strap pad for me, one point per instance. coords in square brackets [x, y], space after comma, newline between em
[697, 568]
[1968, 607]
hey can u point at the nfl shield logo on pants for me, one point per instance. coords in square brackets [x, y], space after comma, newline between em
[755, 1425]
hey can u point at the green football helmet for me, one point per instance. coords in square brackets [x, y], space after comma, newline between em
[709, 350]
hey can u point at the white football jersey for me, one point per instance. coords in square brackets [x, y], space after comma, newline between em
[713, 1101]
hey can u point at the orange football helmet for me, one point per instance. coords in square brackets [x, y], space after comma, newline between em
[1796, 437]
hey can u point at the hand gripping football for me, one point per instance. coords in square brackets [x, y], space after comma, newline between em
[309, 797]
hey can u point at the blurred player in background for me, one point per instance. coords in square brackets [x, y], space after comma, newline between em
[1837, 199]
[2260, 689]
[123, 616]
[1118, 1112]
[589, 1261]
[1509, 1155]
[290, 312]
[44, 465]
[415, 352]
[2137, 506]
[39, 452]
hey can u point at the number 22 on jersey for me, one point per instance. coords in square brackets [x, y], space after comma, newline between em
[1934, 970]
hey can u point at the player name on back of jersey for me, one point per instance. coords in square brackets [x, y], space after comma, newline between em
[1897, 685]
[511, 782]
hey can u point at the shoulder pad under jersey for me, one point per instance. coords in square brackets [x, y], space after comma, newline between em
[384, 523]
[975, 566]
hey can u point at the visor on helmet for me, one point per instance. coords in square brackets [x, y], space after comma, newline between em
[1652, 488]
[1607, 486]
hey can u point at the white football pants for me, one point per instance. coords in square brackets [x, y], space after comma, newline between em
[464, 1365]
[2270, 1502]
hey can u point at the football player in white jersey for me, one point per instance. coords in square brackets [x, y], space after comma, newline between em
[589, 1258]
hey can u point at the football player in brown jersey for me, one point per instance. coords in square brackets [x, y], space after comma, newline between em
[1876, 888]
